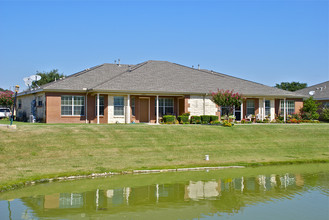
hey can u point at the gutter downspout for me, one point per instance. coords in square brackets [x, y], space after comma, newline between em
[86, 107]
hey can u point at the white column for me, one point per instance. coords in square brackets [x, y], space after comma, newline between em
[128, 109]
[241, 110]
[263, 108]
[97, 108]
[86, 107]
[157, 110]
[284, 109]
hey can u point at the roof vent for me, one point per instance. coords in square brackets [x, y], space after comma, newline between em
[198, 66]
[118, 62]
[115, 61]
[193, 66]
[129, 68]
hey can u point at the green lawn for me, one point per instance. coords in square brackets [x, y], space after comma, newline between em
[34, 151]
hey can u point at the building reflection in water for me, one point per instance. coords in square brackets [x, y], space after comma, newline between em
[222, 195]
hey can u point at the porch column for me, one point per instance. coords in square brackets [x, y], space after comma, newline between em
[97, 108]
[157, 110]
[284, 109]
[128, 109]
[86, 107]
[241, 110]
[263, 109]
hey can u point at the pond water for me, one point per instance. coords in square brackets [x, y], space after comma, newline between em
[279, 192]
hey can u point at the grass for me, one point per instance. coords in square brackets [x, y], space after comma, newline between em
[37, 151]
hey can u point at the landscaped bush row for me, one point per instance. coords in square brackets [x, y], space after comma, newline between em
[184, 119]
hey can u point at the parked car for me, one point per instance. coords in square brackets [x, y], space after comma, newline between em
[5, 112]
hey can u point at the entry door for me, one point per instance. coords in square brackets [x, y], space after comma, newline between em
[144, 110]
[181, 106]
[238, 113]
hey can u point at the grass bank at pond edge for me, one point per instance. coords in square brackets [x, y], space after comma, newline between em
[42, 151]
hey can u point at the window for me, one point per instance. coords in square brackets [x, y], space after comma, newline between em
[101, 105]
[118, 105]
[72, 105]
[225, 110]
[250, 107]
[166, 106]
[290, 107]
[19, 103]
[132, 105]
[267, 107]
[325, 104]
[39, 101]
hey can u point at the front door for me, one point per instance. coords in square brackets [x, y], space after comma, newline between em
[144, 110]
[181, 106]
[237, 113]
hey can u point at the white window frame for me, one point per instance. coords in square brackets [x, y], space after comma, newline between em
[163, 105]
[290, 109]
[121, 106]
[248, 107]
[267, 108]
[73, 105]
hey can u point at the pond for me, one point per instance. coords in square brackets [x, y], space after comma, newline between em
[276, 192]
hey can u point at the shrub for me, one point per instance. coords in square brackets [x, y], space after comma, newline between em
[169, 119]
[325, 114]
[227, 124]
[309, 110]
[293, 120]
[183, 119]
[213, 118]
[205, 119]
[186, 114]
[243, 121]
[216, 122]
[195, 119]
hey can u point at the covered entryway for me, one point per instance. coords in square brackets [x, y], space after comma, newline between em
[144, 113]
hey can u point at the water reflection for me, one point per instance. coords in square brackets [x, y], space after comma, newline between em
[189, 199]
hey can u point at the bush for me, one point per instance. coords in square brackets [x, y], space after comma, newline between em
[213, 118]
[309, 110]
[183, 119]
[195, 120]
[169, 119]
[186, 114]
[205, 119]
[216, 122]
[227, 124]
[325, 114]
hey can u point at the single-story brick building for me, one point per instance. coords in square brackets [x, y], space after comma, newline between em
[116, 93]
[319, 92]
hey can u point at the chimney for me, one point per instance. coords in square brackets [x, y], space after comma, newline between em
[119, 62]
[198, 66]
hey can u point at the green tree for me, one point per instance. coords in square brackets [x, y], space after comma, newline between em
[309, 110]
[293, 86]
[47, 77]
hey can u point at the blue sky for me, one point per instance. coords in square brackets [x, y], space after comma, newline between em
[265, 41]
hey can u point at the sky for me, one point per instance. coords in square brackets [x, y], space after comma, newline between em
[266, 41]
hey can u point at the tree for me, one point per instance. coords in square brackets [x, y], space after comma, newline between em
[227, 98]
[309, 110]
[6, 98]
[293, 86]
[47, 77]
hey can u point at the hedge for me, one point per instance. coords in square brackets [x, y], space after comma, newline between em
[169, 119]
[183, 119]
[213, 118]
[205, 119]
[195, 120]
